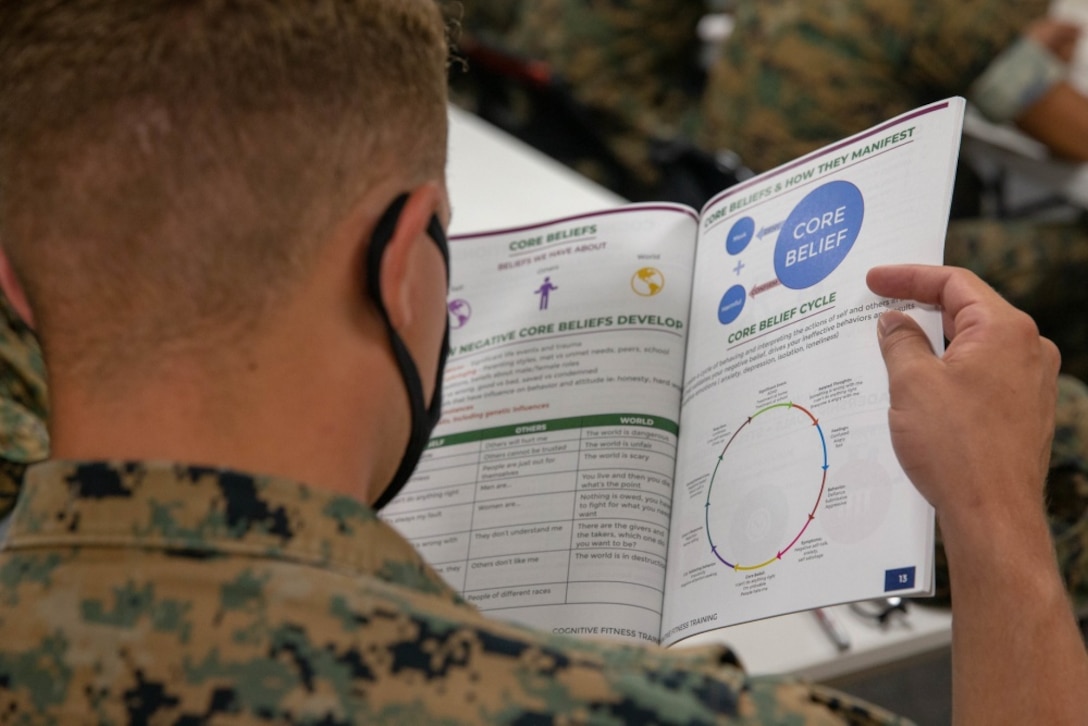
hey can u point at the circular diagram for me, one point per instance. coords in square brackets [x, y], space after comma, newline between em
[819, 234]
[766, 487]
[740, 235]
[732, 304]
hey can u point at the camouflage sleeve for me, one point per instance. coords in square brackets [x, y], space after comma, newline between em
[243, 645]
[135, 592]
[798, 74]
[23, 403]
[1039, 266]
[1067, 489]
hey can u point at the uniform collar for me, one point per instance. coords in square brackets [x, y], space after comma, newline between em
[23, 404]
[205, 511]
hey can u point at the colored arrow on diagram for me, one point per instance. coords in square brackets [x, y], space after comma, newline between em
[810, 517]
[771, 229]
[764, 287]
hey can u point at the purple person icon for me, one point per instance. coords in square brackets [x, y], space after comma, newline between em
[544, 291]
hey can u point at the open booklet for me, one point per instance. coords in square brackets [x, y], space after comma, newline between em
[658, 422]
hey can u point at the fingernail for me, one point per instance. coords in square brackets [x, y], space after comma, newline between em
[889, 321]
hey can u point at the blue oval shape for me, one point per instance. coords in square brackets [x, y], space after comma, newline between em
[741, 233]
[818, 234]
[732, 304]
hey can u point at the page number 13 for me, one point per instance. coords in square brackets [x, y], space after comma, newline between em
[899, 579]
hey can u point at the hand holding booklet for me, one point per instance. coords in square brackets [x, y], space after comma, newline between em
[658, 422]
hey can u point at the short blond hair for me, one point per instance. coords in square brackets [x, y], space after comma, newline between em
[169, 166]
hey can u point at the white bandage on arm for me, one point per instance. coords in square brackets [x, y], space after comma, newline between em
[1015, 80]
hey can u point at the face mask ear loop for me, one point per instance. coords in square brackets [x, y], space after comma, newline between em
[423, 418]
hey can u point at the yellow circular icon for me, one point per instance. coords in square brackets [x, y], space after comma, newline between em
[648, 281]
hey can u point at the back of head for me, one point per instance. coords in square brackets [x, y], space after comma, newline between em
[169, 168]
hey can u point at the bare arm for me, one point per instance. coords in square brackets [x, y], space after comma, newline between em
[1059, 119]
[972, 429]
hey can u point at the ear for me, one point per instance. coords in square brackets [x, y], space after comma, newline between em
[403, 256]
[13, 290]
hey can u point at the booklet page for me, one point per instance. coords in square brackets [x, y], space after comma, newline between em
[788, 494]
[545, 494]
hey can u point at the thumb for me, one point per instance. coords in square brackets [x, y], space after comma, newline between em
[902, 342]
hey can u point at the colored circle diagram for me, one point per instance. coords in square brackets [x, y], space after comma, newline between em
[740, 234]
[818, 234]
[766, 487]
[732, 304]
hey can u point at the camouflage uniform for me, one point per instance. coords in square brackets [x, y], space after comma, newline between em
[1038, 266]
[1067, 489]
[139, 593]
[23, 404]
[798, 74]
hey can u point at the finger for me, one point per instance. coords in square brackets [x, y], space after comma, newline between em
[1053, 358]
[903, 344]
[954, 289]
[950, 287]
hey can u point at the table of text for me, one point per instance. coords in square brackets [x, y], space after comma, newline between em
[562, 511]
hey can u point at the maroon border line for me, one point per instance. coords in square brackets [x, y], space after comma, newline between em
[604, 212]
[762, 178]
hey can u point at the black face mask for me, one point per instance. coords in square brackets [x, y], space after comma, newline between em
[423, 418]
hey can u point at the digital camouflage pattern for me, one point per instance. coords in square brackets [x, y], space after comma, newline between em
[160, 593]
[1067, 489]
[796, 75]
[1040, 267]
[23, 403]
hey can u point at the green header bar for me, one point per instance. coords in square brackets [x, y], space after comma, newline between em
[558, 424]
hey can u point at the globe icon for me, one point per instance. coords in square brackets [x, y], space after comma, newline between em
[460, 313]
[648, 281]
